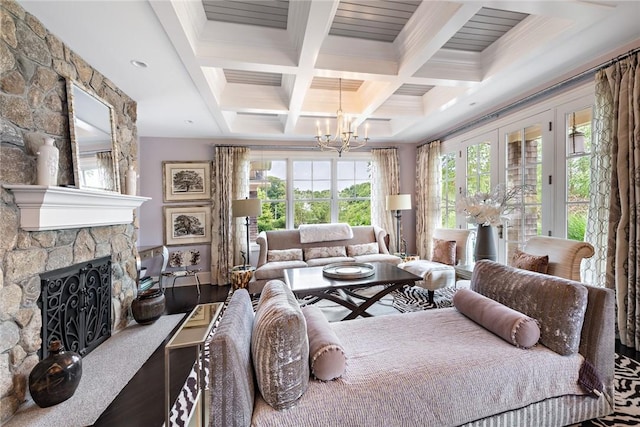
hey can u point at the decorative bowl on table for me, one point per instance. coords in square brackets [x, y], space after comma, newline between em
[348, 270]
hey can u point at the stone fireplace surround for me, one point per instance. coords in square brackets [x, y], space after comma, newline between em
[34, 67]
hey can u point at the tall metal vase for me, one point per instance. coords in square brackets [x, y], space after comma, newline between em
[485, 243]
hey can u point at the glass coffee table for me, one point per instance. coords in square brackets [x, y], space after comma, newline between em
[310, 281]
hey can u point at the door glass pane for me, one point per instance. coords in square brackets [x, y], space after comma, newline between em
[524, 168]
[578, 162]
[479, 168]
[448, 199]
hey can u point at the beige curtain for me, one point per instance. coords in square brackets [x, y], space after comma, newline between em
[229, 181]
[623, 78]
[428, 185]
[385, 180]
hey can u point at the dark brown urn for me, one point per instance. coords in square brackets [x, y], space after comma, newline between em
[148, 306]
[55, 378]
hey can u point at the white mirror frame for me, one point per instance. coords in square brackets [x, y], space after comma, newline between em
[79, 97]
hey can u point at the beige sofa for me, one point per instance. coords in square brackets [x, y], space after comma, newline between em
[438, 367]
[312, 254]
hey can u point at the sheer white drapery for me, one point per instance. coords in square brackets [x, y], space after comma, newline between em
[229, 181]
[594, 269]
[385, 180]
[428, 187]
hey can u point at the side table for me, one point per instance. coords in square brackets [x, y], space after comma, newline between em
[192, 333]
[464, 272]
[241, 275]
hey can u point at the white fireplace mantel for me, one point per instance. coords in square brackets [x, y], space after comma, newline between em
[56, 208]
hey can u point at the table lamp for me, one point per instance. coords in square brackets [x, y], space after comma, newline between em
[398, 202]
[246, 208]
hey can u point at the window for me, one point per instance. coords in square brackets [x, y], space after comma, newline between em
[578, 149]
[269, 180]
[311, 192]
[448, 197]
[298, 191]
[354, 192]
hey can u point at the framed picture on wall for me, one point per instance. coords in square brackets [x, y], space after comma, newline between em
[186, 224]
[186, 181]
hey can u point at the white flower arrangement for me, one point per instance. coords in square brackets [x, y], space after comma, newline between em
[490, 208]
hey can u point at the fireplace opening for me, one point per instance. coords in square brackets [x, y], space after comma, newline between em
[76, 306]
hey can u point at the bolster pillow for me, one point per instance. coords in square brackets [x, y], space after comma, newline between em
[510, 325]
[326, 355]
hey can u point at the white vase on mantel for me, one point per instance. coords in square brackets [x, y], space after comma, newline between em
[47, 163]
[130, 181]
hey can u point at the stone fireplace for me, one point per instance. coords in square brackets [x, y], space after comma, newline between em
[33, 105]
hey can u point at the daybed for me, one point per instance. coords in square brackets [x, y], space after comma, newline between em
[322, 245]
[435, 367]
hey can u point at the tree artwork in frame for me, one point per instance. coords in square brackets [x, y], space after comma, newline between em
[187, 224]
[185, 181]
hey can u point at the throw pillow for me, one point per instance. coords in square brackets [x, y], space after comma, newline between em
[280, 347]
[230, 366]
[510, 325]
[444, 251]
[530, 262]
[326, 355]
[276, 255]
[325, 252]
[363, 249]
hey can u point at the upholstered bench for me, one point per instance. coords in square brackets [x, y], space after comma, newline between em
[438, 272]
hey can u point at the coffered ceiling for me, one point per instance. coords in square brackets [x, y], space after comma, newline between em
[271, 69]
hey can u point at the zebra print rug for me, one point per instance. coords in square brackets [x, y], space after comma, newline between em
[626, 380]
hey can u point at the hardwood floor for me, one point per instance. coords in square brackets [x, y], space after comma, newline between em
[141, 402]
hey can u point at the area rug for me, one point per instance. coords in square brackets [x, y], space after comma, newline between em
[105, 371]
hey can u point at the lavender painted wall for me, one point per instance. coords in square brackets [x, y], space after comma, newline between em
[153, 151]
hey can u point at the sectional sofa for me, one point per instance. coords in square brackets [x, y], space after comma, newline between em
[444, 367]
[282, 249]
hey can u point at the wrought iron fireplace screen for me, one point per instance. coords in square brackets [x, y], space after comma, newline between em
[76, 306]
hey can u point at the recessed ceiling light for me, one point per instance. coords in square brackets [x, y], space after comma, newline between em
[138, 64]
[472, 104]
[189, 122]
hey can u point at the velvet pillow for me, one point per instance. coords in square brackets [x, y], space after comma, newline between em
[444, 251]
[276, 255]
[280, 347]
[325, 252]
[326, 355]
[230, 368]
[363, 249]
[530, 262]
[510, 325]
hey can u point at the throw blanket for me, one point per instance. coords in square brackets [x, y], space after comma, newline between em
[310, 233]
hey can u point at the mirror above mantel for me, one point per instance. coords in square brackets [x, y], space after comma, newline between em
[93, 143]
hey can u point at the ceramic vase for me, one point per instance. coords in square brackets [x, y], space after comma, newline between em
[55, 378]
[148, 306]
[47, 163]
[485, 243]
[130, 181]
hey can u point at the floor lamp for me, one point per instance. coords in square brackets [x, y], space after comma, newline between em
[246, 208]
[398, 202]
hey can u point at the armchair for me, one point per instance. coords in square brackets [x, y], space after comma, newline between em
[565, 255]
[436, 275]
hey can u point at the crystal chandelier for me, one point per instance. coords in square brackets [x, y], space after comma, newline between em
[346, 136]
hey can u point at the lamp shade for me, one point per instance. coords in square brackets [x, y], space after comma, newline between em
[246, 207]
[399, 202]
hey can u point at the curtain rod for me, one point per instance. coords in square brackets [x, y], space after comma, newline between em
[578, 78]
